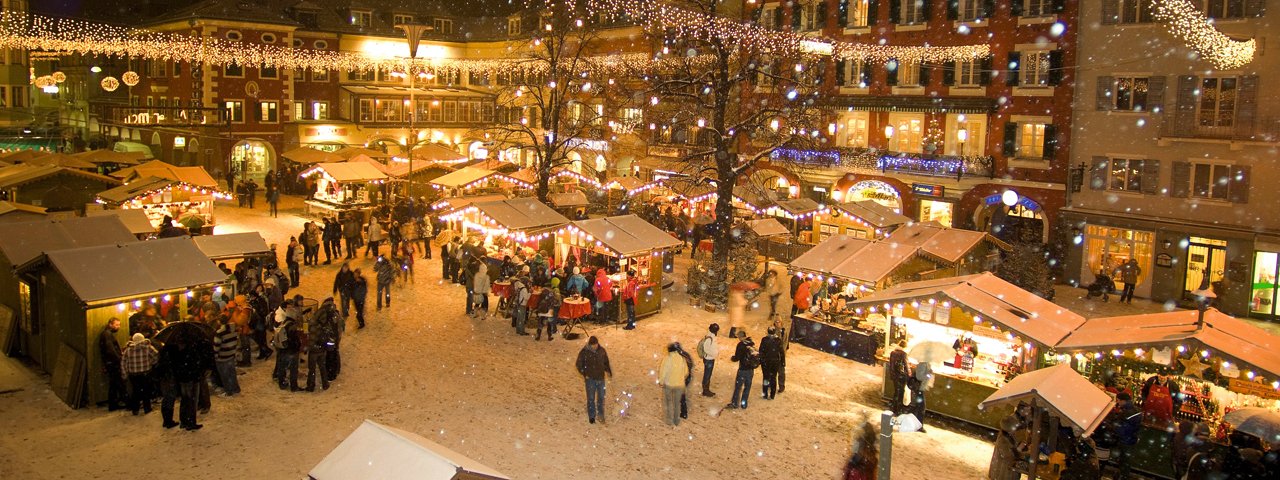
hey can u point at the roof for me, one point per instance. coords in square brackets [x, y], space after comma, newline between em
[378, 451]
[453, 203]
[1222, 333]
[521, 214]
[134, 219]
[308, 155]
[526, 175]
[400, 169]
[111, 156]
[570, 199]
[348, 171]
[98, 274]
[20, 156]
[625, 183]
[879, 216]
[63, 160]
[798, 206]
[463, 177]
[767, 227]
[627, 235]
[434, 152]
[994, 299]
[23, 243]
[499, 166]
[12, 207]
[135, 189]
[852, 258]
[1062, 391]
[232, 245]
[18, 175]
[348, 152]
[256, 12]
[941, 243]
[195, 176]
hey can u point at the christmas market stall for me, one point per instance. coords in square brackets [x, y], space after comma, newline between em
[84, 288]
[11, 212]
[478, 180]
[233, 246]
[1213, 364]
[189, 205]
[51, 187]
[978, 331]
[570, 204]
[509, 227]
[195, 176]
[798, 212]
[621, 244]
[135, 220]
[343, 187]
[861, 219]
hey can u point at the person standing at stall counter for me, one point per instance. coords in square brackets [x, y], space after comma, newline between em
[899, 372]
[630, 288]
[593, 364]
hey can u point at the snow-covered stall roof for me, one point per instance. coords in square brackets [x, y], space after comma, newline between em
[137, 188]
[796, 207]
[18, 175]
[348, 171]
[377, 451]
[831, 255]
[348, 152]
[521, 214]
[625, 183]
[879, 216]
[111, 272]
[134, 219]
[308, 156]
[994, 299]
[628, 235]
[1224, 334]
[767, 227]
[1062, 391]
[21, 210]
[232, 245]
[568, 199]
[450, 204]
[463, 177]
[434, 152]
[942, 243]
[22, 243]
[197, 176]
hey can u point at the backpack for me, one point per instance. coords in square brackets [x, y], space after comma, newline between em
[281, 336]
[752, 361]
[702, 349]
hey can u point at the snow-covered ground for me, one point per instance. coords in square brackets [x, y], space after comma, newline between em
[479, 389]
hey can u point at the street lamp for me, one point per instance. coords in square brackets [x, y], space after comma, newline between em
[1009, 198]
[962, 135]
[888, 135]
[413, 35]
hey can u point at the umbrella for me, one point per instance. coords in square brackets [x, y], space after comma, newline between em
[191, 333]
[1260, 422]
[62, 160]
[931, 352]
[111, 156]
[745, 286]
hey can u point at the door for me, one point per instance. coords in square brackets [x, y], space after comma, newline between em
[1262, 298]
[1206, 260]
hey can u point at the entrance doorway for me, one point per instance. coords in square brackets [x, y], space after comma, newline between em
[251, 159]
[1206, 260]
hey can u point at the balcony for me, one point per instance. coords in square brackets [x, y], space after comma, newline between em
[871, 160]
[1264, 130]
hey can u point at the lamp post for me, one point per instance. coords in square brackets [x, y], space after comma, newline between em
[412, 34]
[961, 135]
[888, 136]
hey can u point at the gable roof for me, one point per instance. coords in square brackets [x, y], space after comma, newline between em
[105, 273]
[18, 175]
[348, 171]
[24, 243]
[462, 177]
[134, 219]
[1063, 391]
[767, 227]
[378, 451]
[627, 235]
[196, 176]
[875, 214]
[521, 214]
[568, 199]
[135, 189]
[232, 245]
[7, 207]
[945, 244]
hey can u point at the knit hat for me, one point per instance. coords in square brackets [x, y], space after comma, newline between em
[138, 338]
[576, 270]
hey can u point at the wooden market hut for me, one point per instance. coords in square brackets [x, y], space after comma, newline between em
[195, 176]
[233, 246]
[343, 187]
[861, 219]
[135, 220]
[54, 188]
[466, 179]
[11, 212]
[188, 204]
[623, 243]
[86, 287]
[524, 221]
[569, 204]
[23, 247]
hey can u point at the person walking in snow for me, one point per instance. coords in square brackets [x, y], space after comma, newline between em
[748, 360]
[593, 365]
[386, 273]
[359, 294]
[707, 351]
[671, 376]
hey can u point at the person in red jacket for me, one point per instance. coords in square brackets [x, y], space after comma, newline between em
[604, 296]
[630, 288]
[802, 297]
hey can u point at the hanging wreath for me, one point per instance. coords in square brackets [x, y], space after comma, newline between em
[130, 78]
[110, 84]
[59, 77]
[44, 81]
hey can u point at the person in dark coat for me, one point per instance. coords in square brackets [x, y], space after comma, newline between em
[899, 373]
[109, 349]
[251, 190]
[359, 293]
[1122, 426]
[593, 364]
[324, 335]
[184, 359]
[748, 359]
[770, 362]
[342, 284]
[385, 274]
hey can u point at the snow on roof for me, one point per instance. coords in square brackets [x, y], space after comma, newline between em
[25, 242]
[799, 206]
[829, 255]
[351, 171]
[1061, 390]
[112, 272]
[18, 175]
[521, 214]
[378, 451]
[232, 245]
[134, 219]
[994, 299]
[7, 207]
[348, 152]
[196, 176]
[877, 215]
[1221, 332]
[135, 189]
[569, 199]
[308, 155]
[463, 176]
[453, 203]
[767, 227]
[628, 235]
[434, 152]
[946, 244]
[625, 183]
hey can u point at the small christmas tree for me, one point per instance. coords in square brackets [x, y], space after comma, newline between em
[709, 280]
[1027, 266]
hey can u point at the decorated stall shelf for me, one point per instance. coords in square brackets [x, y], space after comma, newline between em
[343, 187]
[862, 219]
[980, 331]
[621, 244]
[514, 227]
[188, 204]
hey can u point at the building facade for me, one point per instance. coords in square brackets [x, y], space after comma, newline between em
[1171, 149]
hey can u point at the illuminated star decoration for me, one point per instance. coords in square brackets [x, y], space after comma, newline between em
[1192, 367]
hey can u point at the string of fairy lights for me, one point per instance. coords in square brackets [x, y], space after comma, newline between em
[1184, 20]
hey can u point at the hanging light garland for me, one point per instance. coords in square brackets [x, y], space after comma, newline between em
[1185, 21]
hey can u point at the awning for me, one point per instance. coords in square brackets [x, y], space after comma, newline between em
[767, 227]
[521, 214]
[24, 243]
[232, 245]
[116, 272]
[873, 213]
[347, 172]
[308, 156]
[1062, 391]
[386, 453]
[134, 219]
[463, 177]
[996, 300]
[570, 199]
[627, 235]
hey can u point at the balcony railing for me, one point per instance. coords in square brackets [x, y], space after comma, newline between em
[864, 159]
[1265, 129]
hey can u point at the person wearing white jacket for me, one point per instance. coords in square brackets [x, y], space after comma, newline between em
[707, 350]
[671, 376]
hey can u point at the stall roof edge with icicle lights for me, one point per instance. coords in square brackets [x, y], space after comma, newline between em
[473, 178]
[523, 221]
[343, 187]
[865, 218]
[622, 243]
[914, 252]
[188, 204]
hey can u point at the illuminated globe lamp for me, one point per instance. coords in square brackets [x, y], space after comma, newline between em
[130, 78]
[110, 84]
[1009, 198]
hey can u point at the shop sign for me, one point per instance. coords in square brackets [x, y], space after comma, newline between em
[666, 152]
[927, 189]
[1164, 260]
[1261, 390]
[326, 132]
[1026, 203]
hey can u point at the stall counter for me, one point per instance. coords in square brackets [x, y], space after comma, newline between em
[846, 342]
[957, 398]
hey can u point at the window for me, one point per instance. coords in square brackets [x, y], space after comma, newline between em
[320, 45]
[235, 110]
[443, 26]
[366, 110]
[1030, 140]
[765, 72]
[437, 111]
[361, 18]
[1038, 8]
[320, 110]
[913, 12]
[1131, 93]
[401, 19]
[267, 72]
[513, 26]
[270, 112]
[857, 15]
[1217, 102]
[909, 74]
[389, 110]
[299, 111]
[853, 129]
[1223, 9]
[771, 17]
[908, 132]
[1135, 11]
[1126, 175]
[360, 76]
[234, 35]
[1034, 68]
[969, 73]
[851, 73]
[1210, 180]
[970, 10]
[4, 97]
[808, 16]
[268, 38]
[974, 140]
[233, 70]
